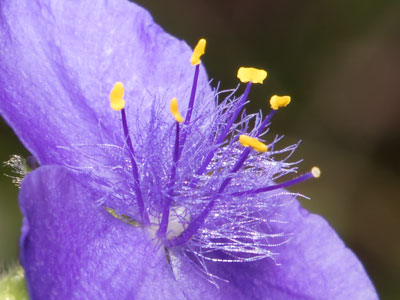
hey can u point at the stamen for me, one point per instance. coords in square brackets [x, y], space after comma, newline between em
[279, 101]
[198, 49]
[198, 52]
[251, 75]
[283, 102]
[314, 173]
[176, 154]
[248, 141]
[174, 110]
[162, 229]
[116, 97]
[192, 95]
[265, 123]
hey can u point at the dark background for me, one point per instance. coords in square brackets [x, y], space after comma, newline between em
[340, 62]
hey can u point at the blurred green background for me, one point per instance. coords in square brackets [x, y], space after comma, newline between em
[340, 62]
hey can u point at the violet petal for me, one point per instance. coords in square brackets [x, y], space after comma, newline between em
[60, 59]
[314, 264]
[73, 249]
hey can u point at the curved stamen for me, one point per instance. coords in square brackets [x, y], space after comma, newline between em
[178, 148]
[198, 52]
[167, 204]
[190, 108]
[265, 123]
[117, 103]
[175, 156]
[135, 173]
[192, 95]
[314, 173]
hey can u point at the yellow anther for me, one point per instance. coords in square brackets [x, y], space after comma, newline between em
[116, 97]
[279, 101]
[251, 74]
[248, 141]
[174, 110]
[198, 52]
[316, 172]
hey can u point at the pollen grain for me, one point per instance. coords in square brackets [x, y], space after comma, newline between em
[175, 111]
[252, 75]
[316, 172]
[248, 141]
[116, 97]
[279, 101]
[198, 52]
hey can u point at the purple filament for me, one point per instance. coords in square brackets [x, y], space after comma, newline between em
[178, 148]
[192, 96]
[235, 168]
[288, 183]
[265, 122]
[167, 204]
[190, 108]
[135, 172]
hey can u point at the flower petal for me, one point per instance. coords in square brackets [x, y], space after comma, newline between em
[60, 60]
[315, 264]
[73, 249]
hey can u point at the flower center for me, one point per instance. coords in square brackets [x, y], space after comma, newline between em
[176, 224]
[178, 221]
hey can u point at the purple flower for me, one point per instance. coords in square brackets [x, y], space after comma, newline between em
[139, 203]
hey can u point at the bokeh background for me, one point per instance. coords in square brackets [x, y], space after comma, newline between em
[340, 62]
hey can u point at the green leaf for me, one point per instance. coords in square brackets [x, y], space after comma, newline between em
[12, 284]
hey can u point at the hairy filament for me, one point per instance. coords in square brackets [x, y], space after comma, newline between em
[167, 204]
[314, 173]
[135, 173]
[190, 107]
